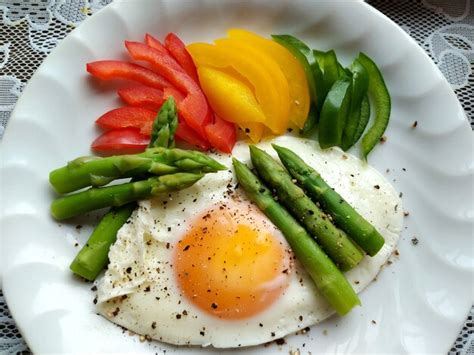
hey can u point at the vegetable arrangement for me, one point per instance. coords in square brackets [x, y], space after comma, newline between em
[283, 84]
[323, 249]
[170, 73]
[199, 94]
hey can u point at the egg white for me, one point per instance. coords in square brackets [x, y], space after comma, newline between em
[139, 289]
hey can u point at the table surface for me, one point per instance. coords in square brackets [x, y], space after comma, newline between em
[30, 29]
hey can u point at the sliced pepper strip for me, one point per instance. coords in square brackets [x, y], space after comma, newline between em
[193, 109]
[360, 84]
[329, 67]
[156, 44]
[221, 57]
[221, 134]
[334, 113]
[117, 69]
[229, 97]
[364, 118]
[381, 98]
[313, 74]
[187, 134]
[178, 50]
[128, 117]
[278, 121]
[302, 52]
[120, 141]
[142, 96]
[291, 68]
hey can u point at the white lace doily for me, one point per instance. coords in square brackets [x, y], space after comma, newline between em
[30, 29]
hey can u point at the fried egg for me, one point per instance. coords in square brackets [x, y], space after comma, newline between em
[203, 266]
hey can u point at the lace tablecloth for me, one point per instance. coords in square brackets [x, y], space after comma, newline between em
[30, 29]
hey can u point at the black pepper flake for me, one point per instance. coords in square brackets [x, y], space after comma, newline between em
[280, 341]
[400, 194]
[169, 229]
[290, 129]
[262, 190]
[374, 322]
[247, 130]
[272, 334]
[414, 241]
[310, 212]
[260, 324]
[78, 226]
[414, 124]
[167, 245]
[185, 313]
[214, 305]
[178, 316]
[202, 333]
[153, 325]
[195, 200]
[301, 318]
[383, 139]
[129, 270]
[147, 289]
[186, 247]
[377, 187]
[404, 169]
[406, 214]
[94, 288]
[95, 300]
[116, 311]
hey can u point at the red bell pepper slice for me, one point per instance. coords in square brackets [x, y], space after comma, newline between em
[156, 44]
[128, 117]
[221, 134]
[187, 134]
[179, 52]
[193, 109]
[178, 96]
[116, 69]
[120, 141]
[142, 96]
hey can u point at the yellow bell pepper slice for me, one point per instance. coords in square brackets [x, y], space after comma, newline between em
[229, 97]
[253, 130]
[232, 100]
[291, 68]
[267, 94]
[277, 122]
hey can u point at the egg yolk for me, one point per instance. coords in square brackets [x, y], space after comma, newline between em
[231, 263]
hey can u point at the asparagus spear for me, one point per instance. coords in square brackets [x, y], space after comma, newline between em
[334, 241]
[164, 126]
[343, 214]
[118, 195]
[95, 171]
[93, 256]
[328, 279]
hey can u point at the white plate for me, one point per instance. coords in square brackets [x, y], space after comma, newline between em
[419, 303]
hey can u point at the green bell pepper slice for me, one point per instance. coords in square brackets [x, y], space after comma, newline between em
[360, 84]
[334, 113]
[381, 99]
